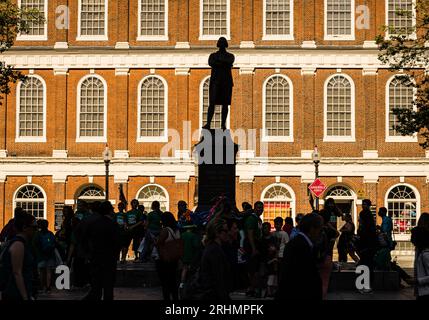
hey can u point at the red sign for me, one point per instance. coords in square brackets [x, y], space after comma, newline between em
[317, 187]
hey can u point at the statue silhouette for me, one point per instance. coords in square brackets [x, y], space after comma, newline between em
[220, 90]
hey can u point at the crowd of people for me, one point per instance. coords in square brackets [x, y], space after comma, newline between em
[201, 259]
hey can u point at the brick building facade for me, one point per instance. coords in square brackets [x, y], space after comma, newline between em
[306, 73]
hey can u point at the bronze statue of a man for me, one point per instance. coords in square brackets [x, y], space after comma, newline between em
[220, 90]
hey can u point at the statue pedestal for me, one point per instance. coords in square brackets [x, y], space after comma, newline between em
[216, 159]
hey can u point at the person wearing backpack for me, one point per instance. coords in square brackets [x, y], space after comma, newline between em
[165, 265]
[45, 244]
[16, 261]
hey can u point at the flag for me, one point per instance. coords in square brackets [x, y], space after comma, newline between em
[122, 195]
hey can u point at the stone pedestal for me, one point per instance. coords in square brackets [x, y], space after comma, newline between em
[216, 159]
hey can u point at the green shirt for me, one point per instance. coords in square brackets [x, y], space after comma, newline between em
[252, 223]
[154, 221]
[191, 246]
[133, 217]
[120, 219]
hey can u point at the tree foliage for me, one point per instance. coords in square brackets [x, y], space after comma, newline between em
[406, 51]
[13, 21]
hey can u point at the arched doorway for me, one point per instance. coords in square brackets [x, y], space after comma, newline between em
[279, 201]
[91, 193]
[345, 199]
[150, 193]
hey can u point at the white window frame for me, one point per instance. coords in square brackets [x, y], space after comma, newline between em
[159, 186]
[45, 198]
[327, 138]
[201, 98]
[350, 37]
[418, 204]
[289, 36]
[27, 37]
[141, 37]
[412, 36]
[104, 37]
[228, 25]
[91, 139]
[164, 137]
[18, 138]
[288, 188]
[390, 138]
[265, 137]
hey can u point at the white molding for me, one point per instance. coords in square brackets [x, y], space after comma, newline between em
[61, 72]
[306, 154]
[182, 71]
[59, 178]
[370, 154]
[182, 45]
[369, 44]
[121, 154]
[44, 37]
[2, 178]
[285, 37]
[350, 37]
[339, 179]
[309, 44]
[122, 71]
[163, 37]
[369, 71]
[277, 179]
[182, 154]
[104, 37]
[3, 153]
[265, 137]
[402, 179]
[61, 45]
[29, 179]
[426, 154]
[101, 139]
[246, 154]
[308, 71]
[31, 71]
[247, 45]
[246, 178]
[26, 139]
[327, 138]
[152, 71]
[90, 179]
[59, 154]
[69, 202]
[121, 178]
[122, 45]
[247, 70]
[152, 179]
[370, 177]
[228, 24]
[164, 137]
[181, 178]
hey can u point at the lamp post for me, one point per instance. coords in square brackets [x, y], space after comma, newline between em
[316, 160]
[107, 156]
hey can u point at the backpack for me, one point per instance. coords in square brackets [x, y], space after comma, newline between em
[5, 265]
[47, 243]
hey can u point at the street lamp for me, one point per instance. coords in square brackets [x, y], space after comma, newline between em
[316, 160]
[107, 156]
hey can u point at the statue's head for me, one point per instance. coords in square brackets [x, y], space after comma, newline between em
[222, 43]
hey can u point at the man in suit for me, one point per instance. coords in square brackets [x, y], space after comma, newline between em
[299, 278]
[220, 90]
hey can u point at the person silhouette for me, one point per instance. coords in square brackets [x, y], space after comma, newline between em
[221, 83]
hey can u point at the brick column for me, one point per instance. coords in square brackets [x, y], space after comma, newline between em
[2, 202]
[61, 23]
[244, 193]
[309, 112]
[370, 100]
[61, 123]
[120, 110]
[308, 24]
[182, 35]
[247, 24]
[123, 25]
[182, 102]
[3, 125]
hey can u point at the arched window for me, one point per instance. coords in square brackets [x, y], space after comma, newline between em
[31, 110]
[204, 101]
[399, 95]
[403, 204]
[278, 109]
[152, 113]
[153, 192]
[339, 192]
[339, 109]
[278, 201]
[92, 113]
[32, 199]
[91, 193]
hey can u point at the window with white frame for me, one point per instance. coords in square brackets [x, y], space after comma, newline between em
[402, 204]
[278, 202]
[92, 193]
[214, 19]
[36, 31]
[93, 19]
[339, 19]
[278, 108]
[339, 109]
[153, 20]
[31, 110]
[152, 109]
[400, 95]
[151, 193]
[205, 102]
[32, 200]
[278, 19]
[400, 16]
[92, 110]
